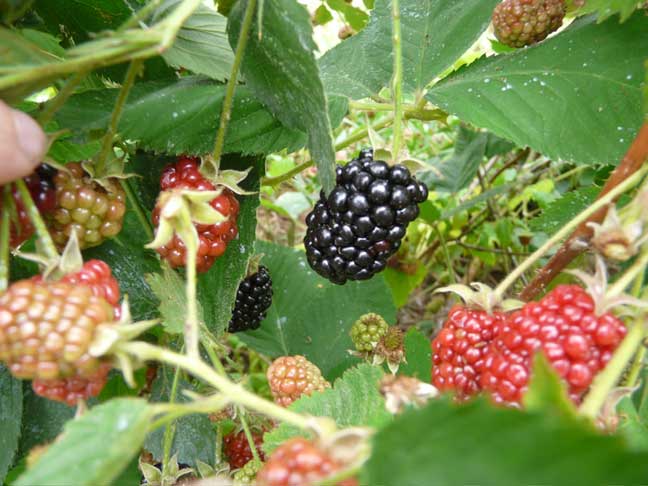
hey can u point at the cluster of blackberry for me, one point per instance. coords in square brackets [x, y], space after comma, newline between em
[353, 232]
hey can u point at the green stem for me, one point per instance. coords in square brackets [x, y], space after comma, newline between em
[44, 237]
[417, 112]
[235, 393]
[567, 229]
[209, 348]
[248, 434]
[137, 207]
[397, 88]
[231, 82]
[638, 362]
[4, 238]
[192, 326]
[53, 105]
[107, 141]
[636, 270]
[140, 15]
[355, 136]
[635, 369]
[169, 430]
[608, 378]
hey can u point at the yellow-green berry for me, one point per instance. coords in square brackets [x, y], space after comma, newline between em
[367, 331]
[247, 474]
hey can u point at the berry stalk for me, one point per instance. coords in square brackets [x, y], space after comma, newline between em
[567, 229]
[49, 248]
[234, 392]
[53, 105]
[170, 428]
[609, 377]
[4, 238]
[397, 86]
[248, 434]
[191, 330]
[137, 207]
[356, 136]
[107, 141]
[231, 82]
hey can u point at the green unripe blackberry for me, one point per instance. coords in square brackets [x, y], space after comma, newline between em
[247, 474]
[367, 331]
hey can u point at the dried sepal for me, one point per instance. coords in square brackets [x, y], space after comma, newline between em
[401, 392]
[618, 237]
[390, 349]
[597, 287]
[608, 418]
[479, 296]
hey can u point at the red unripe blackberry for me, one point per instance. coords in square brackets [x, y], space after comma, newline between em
[213, 239]
[253, 299]
[96, 275]
[520, 23]
[237, 448]
[299, 462]
[86, 207]
[71, 390]
[459, 349]
[41, 188]
[564, 326]
[290, 377]
[46, 329]
[360, 225]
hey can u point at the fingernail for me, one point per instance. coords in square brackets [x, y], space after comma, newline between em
[31, 138]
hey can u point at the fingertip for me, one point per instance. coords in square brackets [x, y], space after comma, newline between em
[31, 139]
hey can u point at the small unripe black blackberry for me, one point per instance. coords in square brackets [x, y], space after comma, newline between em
[253, 299]
[353, 232]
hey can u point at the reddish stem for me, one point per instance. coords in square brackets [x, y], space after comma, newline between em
[577, 242]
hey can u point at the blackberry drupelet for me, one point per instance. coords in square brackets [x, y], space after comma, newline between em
[353, 232]
[253, 299]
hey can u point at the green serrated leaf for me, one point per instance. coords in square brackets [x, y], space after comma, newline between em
[169, 288]
[546, 391]
[194, 438]
[477, 443]
[11, 408]
[279, 67]
[402, 284]
[46, 42]
[607, 8]
[418, 356]
[201, 44]
[570, 97]
[17, 50]
[95, 448]
[181, 117]
[63, 151]
[354, 16]
[130, 262]
[322, 15]
[563, 210]
[353, 400]
[459, 170]
[217, 288]
[311, 316]
[435, 34]
[631, 426]
[43, 420]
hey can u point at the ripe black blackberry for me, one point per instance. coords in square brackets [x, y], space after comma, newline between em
[253, 299]
[353, 232]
